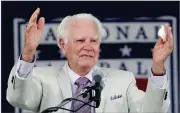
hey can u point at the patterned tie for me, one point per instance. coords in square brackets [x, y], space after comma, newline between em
[81, 83]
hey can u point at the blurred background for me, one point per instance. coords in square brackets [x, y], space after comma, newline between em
[131, 32]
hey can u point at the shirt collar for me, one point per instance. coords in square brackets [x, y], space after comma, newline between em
[74, 76]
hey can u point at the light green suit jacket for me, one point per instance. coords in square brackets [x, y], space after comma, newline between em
[47, 86]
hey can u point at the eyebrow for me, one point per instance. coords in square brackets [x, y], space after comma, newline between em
[94, 37]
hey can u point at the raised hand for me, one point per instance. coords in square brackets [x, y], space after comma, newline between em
[33, 35]
[162, 50]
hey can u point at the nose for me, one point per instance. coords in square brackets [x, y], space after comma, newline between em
[88, 49]
[88, 46]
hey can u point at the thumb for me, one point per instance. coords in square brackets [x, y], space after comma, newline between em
[41, 23]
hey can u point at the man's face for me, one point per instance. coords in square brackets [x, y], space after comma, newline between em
[82, 48]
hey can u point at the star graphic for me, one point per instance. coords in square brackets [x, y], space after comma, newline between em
[37, 54]
[125, 51]
[61, 54]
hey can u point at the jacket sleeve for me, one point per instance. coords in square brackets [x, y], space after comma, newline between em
[154, 100]
[26, 92]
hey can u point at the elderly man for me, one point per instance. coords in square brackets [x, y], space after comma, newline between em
[79, 36]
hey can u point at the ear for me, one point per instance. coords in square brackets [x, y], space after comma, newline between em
[62, 46]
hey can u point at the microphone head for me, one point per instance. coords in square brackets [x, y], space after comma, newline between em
[97, 72]
[98, 76]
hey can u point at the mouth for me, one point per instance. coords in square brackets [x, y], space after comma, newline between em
[86, 56]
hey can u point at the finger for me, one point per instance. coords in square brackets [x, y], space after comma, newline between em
[168, 33]
[41, 23]
[31, 31]
[170, 38]
[159, 42]
[166, 29]
[29, 26]
[34, 16]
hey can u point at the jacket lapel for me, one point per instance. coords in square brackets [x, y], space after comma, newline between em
[65, 87]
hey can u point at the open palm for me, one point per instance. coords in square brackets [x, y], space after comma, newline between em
[33, 31]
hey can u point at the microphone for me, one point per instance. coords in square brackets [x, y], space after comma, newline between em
[98, 86]
[98, 76]
[94, 90]
[97, 83]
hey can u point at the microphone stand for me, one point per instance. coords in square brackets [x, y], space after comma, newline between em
[97, 98]
[84, 93]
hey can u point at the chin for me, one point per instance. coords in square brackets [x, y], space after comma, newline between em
[86, 64]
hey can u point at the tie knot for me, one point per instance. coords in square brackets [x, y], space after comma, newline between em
[82, 81]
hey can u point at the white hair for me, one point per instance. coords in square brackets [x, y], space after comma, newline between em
[62, 31]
